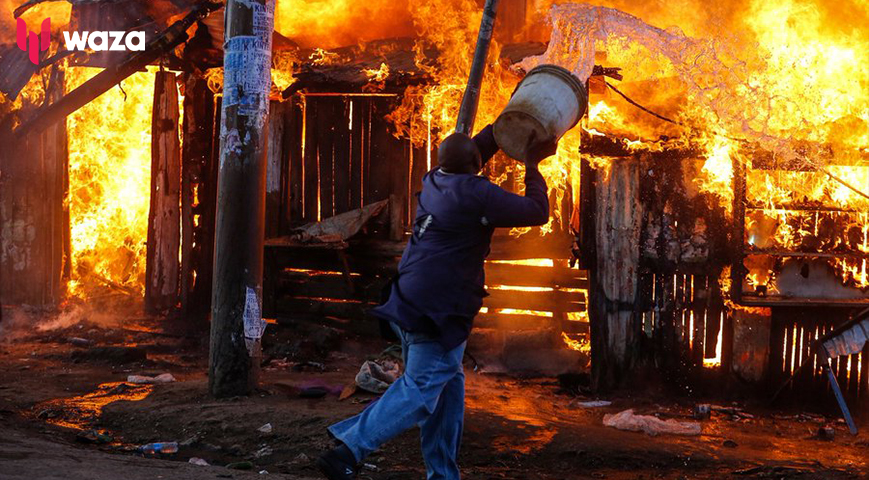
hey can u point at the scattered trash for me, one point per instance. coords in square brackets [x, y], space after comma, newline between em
[159, 448]
[377, 376]
[145, 380]
[340, 227]
[348, 391]
[827, 432]
[245, 465]
[370, 466]
[279, 363]
[627, 420]
[198, 461]
[263, 472]
[80, 342]
[301, 458]
[263, 452]
[93, 437]
[702, 411]
[730, 444]
[267, 428]
[594, 404]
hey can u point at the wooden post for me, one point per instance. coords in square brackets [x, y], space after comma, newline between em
[615, 277]
[275, 170]
[236, 319]
[197, 238]
[164, 220]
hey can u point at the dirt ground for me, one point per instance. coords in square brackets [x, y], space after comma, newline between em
[59, 390]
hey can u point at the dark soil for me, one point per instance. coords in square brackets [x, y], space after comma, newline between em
[515, 428]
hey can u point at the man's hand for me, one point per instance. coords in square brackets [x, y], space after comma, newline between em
[539, 150]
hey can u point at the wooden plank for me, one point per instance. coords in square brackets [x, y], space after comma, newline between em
[539, 301]
[198, 135]
[522, 275]
[275, 167]
[864, 376]
[616, 274]
[293, 141]
[311, 182]
[386, 153]
[318, 306]
[361, 108]
[512, 322]
[713, 320]
[789, 351]
[699, 307]
[342, 160]
[164, 220]
[328, 115]
[422, 153]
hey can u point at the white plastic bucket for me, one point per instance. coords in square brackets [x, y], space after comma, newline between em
[547, 103]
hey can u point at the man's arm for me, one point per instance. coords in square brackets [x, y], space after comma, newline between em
[485, 141]
[504, 209]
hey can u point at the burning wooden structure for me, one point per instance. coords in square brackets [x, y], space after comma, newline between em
[693, 283]
[682, 284]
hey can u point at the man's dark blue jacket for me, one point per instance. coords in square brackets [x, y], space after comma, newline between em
[440, 283]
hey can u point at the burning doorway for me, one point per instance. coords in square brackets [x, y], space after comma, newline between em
[109, 185]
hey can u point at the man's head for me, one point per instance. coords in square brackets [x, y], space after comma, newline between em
[459, 154]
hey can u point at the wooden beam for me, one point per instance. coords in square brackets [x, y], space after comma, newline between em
[164, 220]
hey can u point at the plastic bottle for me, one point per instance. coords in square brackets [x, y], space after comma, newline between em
[158, 448]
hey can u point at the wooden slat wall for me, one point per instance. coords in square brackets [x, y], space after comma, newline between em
[34, 218]
[338, 154]
[793, 332]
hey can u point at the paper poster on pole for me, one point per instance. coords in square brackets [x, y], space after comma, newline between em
[254, 325]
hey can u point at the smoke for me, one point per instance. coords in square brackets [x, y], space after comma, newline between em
[21, 323]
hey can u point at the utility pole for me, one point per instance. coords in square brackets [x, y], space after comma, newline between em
[471, 98]
[236, 305]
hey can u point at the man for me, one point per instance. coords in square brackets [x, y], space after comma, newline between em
[433, 300]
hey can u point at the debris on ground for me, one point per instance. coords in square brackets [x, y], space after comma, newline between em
[159, 448]
[593, 404]
[377, 376]
[94, 437]
[628, 420]
[348, 391]
[267, 428]
[827, 432]
[146, 380]
[80, 342]
[702, 411]
[198, 461]
[263, 452]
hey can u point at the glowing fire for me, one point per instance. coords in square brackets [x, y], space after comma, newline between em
[110, 183]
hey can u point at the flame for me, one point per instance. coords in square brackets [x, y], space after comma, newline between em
[336, 23]
[379, 74]
[582, 345]
[110, 183]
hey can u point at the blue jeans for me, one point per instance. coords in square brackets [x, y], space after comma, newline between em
[430, 394]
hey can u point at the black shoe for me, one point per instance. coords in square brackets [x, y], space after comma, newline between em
[338, 464]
